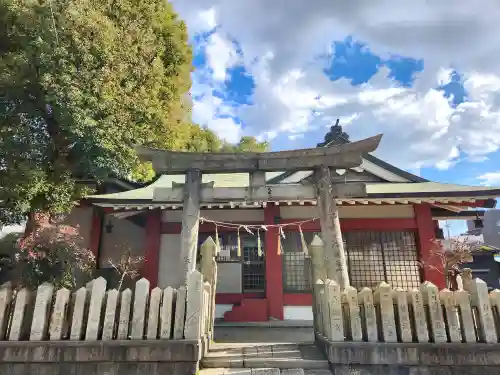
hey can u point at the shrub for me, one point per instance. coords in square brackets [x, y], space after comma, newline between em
[50, 253]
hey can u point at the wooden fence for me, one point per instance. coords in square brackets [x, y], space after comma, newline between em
[385, 314]
[95, 313]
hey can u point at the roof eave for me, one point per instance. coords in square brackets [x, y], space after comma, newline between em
[370, 198]
[444, 214]
[395, 170]
[478, 194]
[383, 164]
[373, 159]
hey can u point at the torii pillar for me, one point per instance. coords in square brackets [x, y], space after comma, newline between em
[190, 221]
[336, 262]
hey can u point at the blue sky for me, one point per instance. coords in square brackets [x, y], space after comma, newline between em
[350, 60]
[422, 73]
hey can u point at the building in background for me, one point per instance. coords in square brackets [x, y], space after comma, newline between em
[386, 234]
[484, 235]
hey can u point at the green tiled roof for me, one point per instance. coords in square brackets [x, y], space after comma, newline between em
[374, 190]
[166, 181]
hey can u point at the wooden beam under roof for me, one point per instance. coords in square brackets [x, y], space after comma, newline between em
[295, 192]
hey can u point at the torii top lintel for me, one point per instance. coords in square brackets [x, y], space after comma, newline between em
[343, 156]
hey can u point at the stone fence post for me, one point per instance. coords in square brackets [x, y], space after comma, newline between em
[466, 278]
[41, 314]
[194, 306]
[320, 308]
[316, 251]
[209, 271]
[141, 297]
[480, 302]
[5, 301]
[333, 318]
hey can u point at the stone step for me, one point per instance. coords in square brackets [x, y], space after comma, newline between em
[261, 362]
[262, 371]
[282, 356]
[220, 323]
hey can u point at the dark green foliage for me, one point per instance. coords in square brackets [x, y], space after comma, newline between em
[248, 144]
[203, 139]
[81, 83]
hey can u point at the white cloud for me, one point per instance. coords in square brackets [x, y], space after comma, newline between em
[281, 40]
[199, 19]
[227, 128]
[490, 179]
[207, 19]
[463, 35]
[207, 110]
[444, 76]
[294, 137]
[221, 56]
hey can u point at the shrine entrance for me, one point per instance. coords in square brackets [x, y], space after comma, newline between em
[243, 246]
[254, 266]
[325, 189]
[251, 261]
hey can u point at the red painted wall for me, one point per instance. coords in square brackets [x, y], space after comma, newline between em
[297, 299]
[433, 267]
[274, 264]
[152, 250]
[234, 298]
[310, 226]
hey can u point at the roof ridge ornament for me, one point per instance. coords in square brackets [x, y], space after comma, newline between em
[335, 136]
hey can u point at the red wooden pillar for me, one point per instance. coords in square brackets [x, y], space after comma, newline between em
[95, 234]
[152, 250]
[432, 265]
[274, 264]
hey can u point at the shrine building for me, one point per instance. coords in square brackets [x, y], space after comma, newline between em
[386, 233]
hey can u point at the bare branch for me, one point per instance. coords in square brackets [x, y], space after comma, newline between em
[128, 266]
[449, 256]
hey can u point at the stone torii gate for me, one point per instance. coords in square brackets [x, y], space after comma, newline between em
[325, 189]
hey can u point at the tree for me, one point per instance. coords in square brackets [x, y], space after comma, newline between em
[450, 258]
[246, 144]
[81, 83]
[203, 139]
